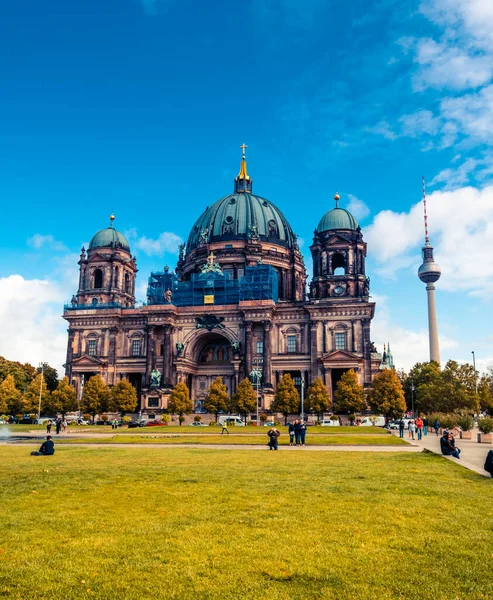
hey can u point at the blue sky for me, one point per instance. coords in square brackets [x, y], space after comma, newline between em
[139, 107]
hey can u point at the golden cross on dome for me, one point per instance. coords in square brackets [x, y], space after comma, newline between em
[210, 259]
[243, 148]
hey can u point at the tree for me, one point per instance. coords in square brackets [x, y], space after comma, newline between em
[51, 377]
[245, 398]
[386, 396]
[349, 395]
[23, 374]
[179, 402]
[10, 397]
[31, 397]
[317, 398]
[485, 392]
[287, 399]
[123, 397]
[96, 396]
[217, 399]
[423, 377]
[64, 397]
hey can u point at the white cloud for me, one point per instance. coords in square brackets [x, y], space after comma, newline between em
[461, 230]
[382, 128]
[416, 124]
[357, 207]
[471, 113]
[46, 241]
[166, 242]
[32, 328]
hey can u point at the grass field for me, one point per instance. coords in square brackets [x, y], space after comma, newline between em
[139, 523]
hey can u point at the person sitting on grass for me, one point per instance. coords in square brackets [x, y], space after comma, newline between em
[447, 445]
[47, 448]
[488, 464]
[273, 438]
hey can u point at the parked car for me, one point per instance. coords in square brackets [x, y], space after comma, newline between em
[197, 424]
[155, 424]
[395, 424]
[134, 424]
[330, 423]
[373, 421]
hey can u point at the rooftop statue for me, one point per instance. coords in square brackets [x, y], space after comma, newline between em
[211, 266]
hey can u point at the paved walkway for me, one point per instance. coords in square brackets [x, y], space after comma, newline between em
[472, 456]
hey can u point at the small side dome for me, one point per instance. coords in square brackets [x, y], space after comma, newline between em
[109, 238]
[337, 218]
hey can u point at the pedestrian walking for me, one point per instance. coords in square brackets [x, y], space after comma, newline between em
[419, 428]
[302, 433]
[48, 427]
[436, 426]
[425, 426]
[412, 429]
[291, 433]
[225, 427]
[401, 428]
[58, 425]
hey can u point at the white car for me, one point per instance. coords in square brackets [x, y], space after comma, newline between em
[395, 424]
[196, 424]
[330, 423]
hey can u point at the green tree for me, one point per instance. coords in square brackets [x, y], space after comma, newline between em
[386, 396]
[349, 394]
[217, 399]
[317, 398]
[245, 398]
[286, 399]
[31, 396]
[23, 374]
[450, 390]
[96, 397]
[424, 378]
[179, 402]
[485, 392]
[10, 397]
[123, 397]
[51, 377]
[64, 398]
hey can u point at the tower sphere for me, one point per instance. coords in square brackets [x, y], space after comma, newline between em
[429, 271]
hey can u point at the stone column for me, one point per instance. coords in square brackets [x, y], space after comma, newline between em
[167, 355]
[112, 356]
[313, 350]
[248, 348]
[267, 370]
[150, 352]
[366, 350]
[70, 353]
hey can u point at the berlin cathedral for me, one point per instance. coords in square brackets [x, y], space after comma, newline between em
[237, 305]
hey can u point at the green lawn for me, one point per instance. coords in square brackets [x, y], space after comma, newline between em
[137, 523]
[160, 437]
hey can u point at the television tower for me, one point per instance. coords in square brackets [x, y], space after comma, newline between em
[429, 272]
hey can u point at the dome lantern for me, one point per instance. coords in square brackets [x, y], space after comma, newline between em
[243, 182]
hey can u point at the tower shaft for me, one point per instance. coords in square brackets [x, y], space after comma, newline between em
[432, 324]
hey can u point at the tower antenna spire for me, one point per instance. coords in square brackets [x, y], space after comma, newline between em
[427, 237]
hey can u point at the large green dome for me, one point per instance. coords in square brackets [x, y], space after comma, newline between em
[242, 215]
[337, 218]
[109, 238]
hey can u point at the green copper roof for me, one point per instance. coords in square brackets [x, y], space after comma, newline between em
[337, 218]
[242, 216]
[109, 238]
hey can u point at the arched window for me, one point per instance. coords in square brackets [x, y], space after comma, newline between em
[127, 283]
[338, 264]
[117, 274]
[98, 278]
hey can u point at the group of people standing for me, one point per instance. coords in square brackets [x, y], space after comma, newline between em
[297, 435]
[417, 427]
[60, 425]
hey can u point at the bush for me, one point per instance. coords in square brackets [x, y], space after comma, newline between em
[197, 418]
[126, 419]
[86, 417]
[165, 419]
[334, 418]
[213, 424]
[448, 421]
[263, 418]
[465, 422]
[485, 425]
[105, 418]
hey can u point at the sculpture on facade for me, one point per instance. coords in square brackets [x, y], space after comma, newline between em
[204, 236]
[209, 322]
[155, 378]
[180, 347]
[168, 296]
[236, 347]
[181, 252]
[211, 266]
[253, 232]
[73, 302]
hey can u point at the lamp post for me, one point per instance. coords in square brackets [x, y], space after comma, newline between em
[255, 376]
[42, 365]
[81, 391]
[302, 378]
[412, 397]
[475, 376]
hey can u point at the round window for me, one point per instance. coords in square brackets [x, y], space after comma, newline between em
[232, 201]
[229, 219]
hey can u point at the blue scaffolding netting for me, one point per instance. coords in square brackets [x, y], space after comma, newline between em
[258, 283]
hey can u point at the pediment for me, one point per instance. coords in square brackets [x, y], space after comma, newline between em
[341, 355]
[337, 239]
[85, 359]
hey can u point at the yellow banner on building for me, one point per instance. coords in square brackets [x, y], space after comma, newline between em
[209, 299]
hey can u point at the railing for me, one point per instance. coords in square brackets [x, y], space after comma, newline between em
[94, 306]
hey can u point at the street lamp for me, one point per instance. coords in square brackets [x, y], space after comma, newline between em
[302, 378]
[412, 397]
[255, 376]
[42, 365]
[475, 376]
